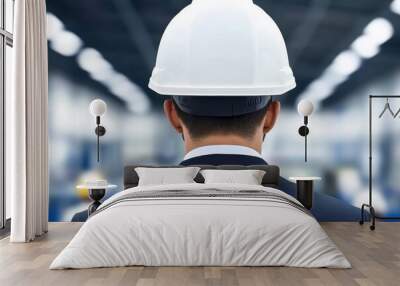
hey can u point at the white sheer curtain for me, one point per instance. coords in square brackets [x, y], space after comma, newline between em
[26, 119]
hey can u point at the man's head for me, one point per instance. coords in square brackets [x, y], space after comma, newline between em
[210, 53]
[239, 120]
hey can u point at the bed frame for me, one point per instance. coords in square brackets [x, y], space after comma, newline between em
[270, 179]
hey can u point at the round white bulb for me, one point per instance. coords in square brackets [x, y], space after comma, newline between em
[97, 107]
[305, 107]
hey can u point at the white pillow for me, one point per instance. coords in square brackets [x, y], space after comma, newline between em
[166, 176]
[248, 177]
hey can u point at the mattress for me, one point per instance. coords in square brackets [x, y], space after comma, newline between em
[201, 225]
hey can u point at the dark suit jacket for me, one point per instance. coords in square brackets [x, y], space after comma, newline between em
[325, 208]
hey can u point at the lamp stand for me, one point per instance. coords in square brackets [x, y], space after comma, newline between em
[304, 131]
[100, 131]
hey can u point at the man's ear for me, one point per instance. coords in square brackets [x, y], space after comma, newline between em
[271, 116]
[171, 114]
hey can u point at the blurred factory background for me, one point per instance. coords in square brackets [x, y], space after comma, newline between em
[341, 51]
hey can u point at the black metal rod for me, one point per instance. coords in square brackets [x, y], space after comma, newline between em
[305, 148]
[370, 151]
[98, 144]
[305, 137]
[384, 96]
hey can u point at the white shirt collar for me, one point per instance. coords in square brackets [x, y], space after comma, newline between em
[221, 149]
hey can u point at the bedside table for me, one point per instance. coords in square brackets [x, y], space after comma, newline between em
[96, 193]
[305, 189]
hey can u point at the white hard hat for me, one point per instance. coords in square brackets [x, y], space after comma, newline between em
[222, 47]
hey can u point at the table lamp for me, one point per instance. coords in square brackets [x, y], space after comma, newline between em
[97, 108]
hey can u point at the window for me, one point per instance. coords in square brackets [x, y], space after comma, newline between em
[6, 43]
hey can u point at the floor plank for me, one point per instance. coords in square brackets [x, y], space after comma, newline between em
[374, 255]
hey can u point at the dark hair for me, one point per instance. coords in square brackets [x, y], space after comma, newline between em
[202, 126]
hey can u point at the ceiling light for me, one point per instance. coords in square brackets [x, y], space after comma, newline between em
[317, 91]
[102, 75]
[136, 99]
[66, 43]
[379, 30]
[139, 102]
[124, 90]
[90, 60]
[346, 63]
[119, 84]
[322, 87]
[395, 6]
[332, 77]
[365, 47]
[54, 26]
[93, 62]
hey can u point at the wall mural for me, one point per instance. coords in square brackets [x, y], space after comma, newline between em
[110, 57]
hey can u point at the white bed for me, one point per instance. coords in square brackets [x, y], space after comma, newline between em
[185, 230]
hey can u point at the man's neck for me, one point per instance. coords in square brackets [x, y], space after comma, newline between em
[223, 140]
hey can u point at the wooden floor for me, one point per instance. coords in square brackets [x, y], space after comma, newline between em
[375, 257]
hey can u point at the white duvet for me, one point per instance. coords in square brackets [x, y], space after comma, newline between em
[200, 231]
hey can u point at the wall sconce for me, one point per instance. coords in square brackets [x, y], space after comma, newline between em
[305, 108]
[97, 108]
